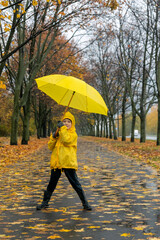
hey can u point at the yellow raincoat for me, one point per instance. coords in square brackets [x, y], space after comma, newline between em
[64, 147]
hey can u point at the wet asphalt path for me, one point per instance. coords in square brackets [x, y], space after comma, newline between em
[124, 194]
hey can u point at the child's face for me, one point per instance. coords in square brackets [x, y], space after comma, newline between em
[67, 122]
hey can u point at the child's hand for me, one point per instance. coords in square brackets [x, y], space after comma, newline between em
[54, 135]
[60, 124]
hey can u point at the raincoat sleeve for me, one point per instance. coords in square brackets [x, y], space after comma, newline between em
[67, 138]
[52, 143]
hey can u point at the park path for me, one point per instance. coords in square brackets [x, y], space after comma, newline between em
[124, 194]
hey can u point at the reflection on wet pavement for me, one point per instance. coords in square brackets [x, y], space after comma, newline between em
[124, 195]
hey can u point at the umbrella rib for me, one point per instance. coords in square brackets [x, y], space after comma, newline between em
[64, 96]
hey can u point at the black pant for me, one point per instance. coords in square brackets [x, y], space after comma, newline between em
[72, 178]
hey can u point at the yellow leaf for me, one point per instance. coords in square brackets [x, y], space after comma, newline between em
[139, 227]
[98, 158]
[93, 227]
[34, 3]
[87, 238]
[79, 230]
[85, 167]
[109, 229]
[62, 13]
[55, 236]
[61, 220]
[23, 11]
[126, 235]
[4, 3]
[3, 86]
[151, 234]
[1, 16]
[65, 230]
[6, 29]
[140, 196]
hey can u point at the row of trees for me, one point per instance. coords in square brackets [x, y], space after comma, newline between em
[125, 61]
[32, 34]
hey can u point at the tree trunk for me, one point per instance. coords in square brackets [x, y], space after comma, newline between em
[14, 124]
[97, 126]
[133, 124]
[143, 128]
[38, 132]
[123, 127]
[101, 133]
[97, 129]
[106, 123]
[15, 118]
[157, 69]
[114, 130]
[44, 127]
[124, 115]
[158, 127]
[26, 118]
[49, 122]
[110, 128]
[17, 91]
[114, 127]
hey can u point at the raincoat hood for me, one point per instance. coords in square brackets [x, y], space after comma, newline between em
[69, 116]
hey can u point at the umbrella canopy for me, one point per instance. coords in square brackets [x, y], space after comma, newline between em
[68, 90]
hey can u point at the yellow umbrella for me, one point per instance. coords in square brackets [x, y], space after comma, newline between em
[72, 92]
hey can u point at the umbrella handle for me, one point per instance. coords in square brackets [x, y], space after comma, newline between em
[65, 111]
[68, 104]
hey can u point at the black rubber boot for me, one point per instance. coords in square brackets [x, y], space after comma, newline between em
[85, 204]
[87, 207]
[46, 198]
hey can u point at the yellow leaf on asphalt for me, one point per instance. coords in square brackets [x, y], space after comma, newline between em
[65, 230]
[150, 234]
[126, 235]
[87, 238]
[85, 167]
[140, 196]
[139, 227]
[55, 236]
[108, 229]
[93, 227]
[98, 158]
[61, 220]
[79, 230]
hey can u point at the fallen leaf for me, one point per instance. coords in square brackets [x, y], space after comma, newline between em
[126, 235]
[79, 230]
[55, 236]
[65, 230]
[94, 227]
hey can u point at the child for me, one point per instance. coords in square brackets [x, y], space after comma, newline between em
[64, 158]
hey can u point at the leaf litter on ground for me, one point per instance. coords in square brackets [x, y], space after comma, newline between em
[146, 152]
